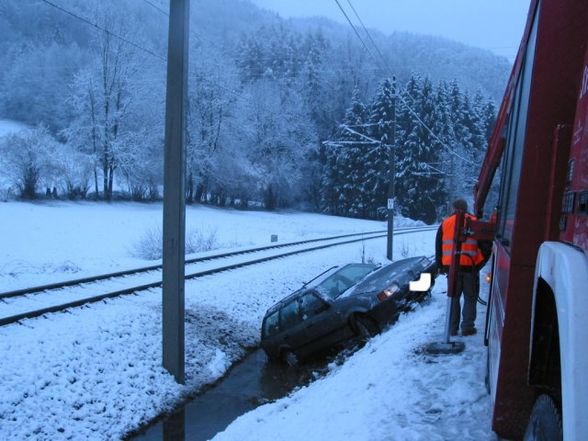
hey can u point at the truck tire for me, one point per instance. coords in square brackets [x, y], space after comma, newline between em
[545, 421]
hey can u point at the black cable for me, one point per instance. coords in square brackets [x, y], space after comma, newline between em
[85, 20]
[369, 36]
[153, 5]
[195, 34]
[387, 67]
[355, 30]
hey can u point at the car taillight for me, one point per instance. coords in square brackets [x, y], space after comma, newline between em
[383, 296]
[387, 293]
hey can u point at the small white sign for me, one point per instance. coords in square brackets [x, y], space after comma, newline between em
[421, 285]
[391, 204]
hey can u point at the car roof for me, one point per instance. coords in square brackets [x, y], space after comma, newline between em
[309, 287]
[285, 300]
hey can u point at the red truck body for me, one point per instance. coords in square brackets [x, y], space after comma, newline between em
[540, 146]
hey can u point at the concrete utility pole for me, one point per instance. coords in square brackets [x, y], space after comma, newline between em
[174, 206]
[392, 175]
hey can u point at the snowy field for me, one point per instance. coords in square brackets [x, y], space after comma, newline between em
[94, 373]
[51, 241]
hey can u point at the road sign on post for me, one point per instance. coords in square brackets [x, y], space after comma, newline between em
[174, 208]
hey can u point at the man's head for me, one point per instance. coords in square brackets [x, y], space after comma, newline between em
[460, 204]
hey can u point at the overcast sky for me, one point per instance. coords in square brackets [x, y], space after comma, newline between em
[491, 24]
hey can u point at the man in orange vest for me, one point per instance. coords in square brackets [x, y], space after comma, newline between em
[471, 260]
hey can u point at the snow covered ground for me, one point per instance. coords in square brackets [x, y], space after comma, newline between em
[94, 373]
[389, 390]
[50, 241]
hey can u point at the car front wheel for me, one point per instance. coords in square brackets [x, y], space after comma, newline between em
[364, 327]
[545, 421]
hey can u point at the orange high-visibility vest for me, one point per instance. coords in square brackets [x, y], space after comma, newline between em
[471, 255]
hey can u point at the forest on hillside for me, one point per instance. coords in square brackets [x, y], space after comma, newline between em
[281, 113]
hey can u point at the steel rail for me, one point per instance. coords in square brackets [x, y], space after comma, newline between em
[91, 279]
[133, 290]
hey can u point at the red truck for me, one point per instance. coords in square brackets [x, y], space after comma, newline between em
[537, 322]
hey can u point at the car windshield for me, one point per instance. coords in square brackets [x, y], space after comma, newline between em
[343, 279]
[396, 272]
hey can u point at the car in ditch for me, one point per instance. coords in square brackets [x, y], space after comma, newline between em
[348, 303]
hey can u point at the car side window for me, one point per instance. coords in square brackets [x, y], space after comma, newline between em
[290, 314]
[311, 304]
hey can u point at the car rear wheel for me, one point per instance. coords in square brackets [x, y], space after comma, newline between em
[545, 421]
[288, 357]
[364, 327]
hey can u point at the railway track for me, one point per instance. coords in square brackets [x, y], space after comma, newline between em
[38, 300]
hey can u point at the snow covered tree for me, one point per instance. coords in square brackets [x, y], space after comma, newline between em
[378, 160]
[206, 115]
[25, 157]
[345, 166]
[101, 97]
[279, 139]
[420, 180]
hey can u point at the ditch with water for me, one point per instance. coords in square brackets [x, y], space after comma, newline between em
[250, 383]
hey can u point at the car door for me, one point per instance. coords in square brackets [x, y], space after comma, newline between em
[292, 333]
[321, 323]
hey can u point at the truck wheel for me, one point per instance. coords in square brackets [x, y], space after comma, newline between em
[545, 421]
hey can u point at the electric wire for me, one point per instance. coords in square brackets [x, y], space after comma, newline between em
[369, 35]
[154, 6]
[97, 26]
[355, 30]
[387, 67]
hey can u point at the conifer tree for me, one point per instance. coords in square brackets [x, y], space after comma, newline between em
[420, 184]
[344, 163]
[378, 159]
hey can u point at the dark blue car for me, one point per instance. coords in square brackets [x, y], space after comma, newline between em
[354, 301]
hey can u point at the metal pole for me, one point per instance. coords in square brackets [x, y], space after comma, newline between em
[448, 320]
[174, 209]
[392, 176]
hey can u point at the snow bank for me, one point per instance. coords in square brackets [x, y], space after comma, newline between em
[388, 390]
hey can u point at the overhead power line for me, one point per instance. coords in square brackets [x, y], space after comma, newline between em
[95, 25]
[354, 29]
[389, 70]
[192, 32]
[369, 35]
[154, 6]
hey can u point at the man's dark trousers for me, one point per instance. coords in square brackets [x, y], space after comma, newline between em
[468, 282]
